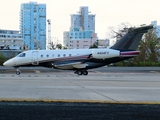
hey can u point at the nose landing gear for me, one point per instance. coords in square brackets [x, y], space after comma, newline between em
[18, 72]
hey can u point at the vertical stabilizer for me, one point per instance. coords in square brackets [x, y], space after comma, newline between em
[131, 40]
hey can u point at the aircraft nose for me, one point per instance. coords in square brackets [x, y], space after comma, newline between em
[9, 62]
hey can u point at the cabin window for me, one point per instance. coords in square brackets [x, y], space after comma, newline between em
[70, 55]
[58, 55]
[22, 55]
[47, 55]
[41, 56]
[64, 55]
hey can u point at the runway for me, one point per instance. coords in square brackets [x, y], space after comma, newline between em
[136, 85]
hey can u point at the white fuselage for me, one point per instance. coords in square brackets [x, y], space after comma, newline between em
[34, 57]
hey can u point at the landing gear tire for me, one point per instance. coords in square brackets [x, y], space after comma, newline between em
[79, 72]
[18, 72]
[85, 72]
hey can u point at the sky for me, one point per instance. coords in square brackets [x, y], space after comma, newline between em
[109, 13]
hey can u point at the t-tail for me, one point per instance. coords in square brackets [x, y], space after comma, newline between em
[130, 41]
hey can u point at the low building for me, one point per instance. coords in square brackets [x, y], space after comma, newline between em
[79, 42]
[103, 43]
[10, 40]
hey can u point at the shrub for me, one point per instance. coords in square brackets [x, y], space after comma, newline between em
[140, 64]
[2, 59]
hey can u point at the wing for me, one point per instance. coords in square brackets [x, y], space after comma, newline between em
[74, 63]
[78, 65]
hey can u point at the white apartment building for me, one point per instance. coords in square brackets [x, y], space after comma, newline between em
[10, 39]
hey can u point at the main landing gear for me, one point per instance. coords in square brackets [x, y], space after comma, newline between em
[81, 72]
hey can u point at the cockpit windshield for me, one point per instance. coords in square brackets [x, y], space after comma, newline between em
[21, 55]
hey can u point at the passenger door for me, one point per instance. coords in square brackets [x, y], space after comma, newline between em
[35, 58]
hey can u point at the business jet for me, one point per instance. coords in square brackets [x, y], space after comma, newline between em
[80, 60]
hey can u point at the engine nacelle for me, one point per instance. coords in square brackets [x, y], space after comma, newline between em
[105, 53]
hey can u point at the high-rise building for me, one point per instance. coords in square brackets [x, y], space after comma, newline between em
[154, 23]
[33, 25]
[83, 20]
[82, 30]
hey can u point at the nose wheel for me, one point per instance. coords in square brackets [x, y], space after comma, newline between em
[18, 72]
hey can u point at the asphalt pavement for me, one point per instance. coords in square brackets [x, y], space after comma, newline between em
[77, 111]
